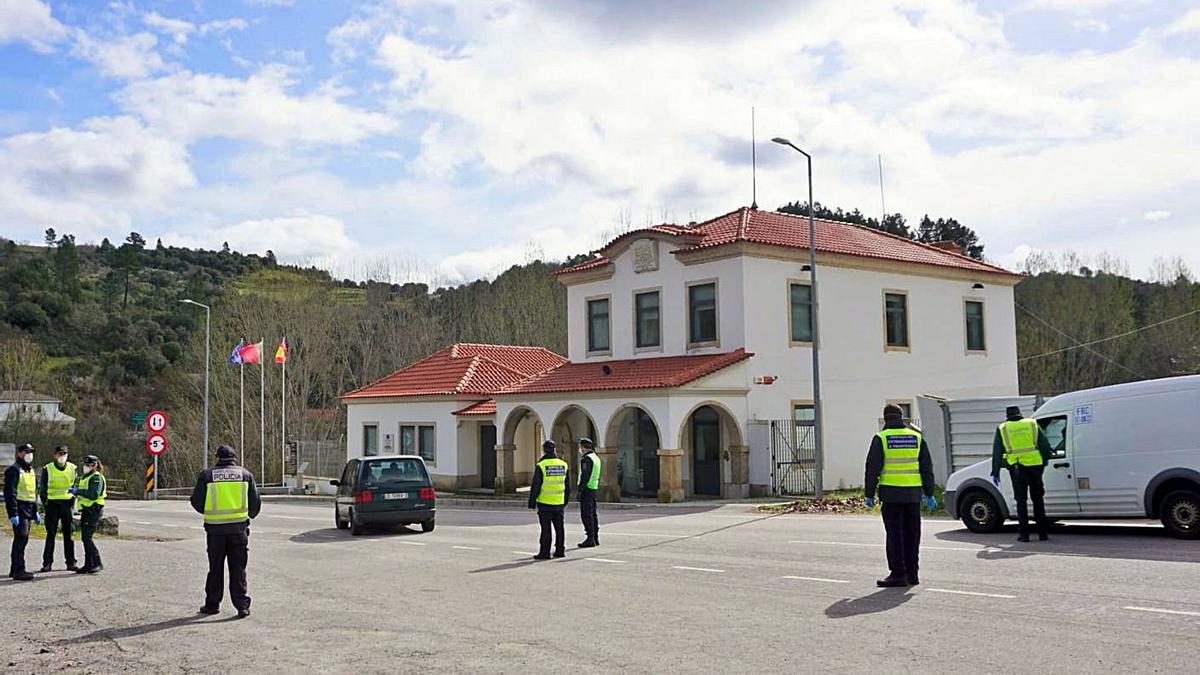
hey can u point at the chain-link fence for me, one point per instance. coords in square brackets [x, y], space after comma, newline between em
[319, 459]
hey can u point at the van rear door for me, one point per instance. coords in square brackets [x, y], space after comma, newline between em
[1062, 497]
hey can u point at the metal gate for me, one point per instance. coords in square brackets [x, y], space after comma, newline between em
[795, 465]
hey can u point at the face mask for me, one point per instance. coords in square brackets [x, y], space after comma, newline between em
[88, 469]
[28, 459]
[60, 461]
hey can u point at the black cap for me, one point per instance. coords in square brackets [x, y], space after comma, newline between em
[226, 452]
[61, 449]
[892, 411]
[549, 446]
[91, 460]
[587, 443]
[1013, 411]
[25, 447]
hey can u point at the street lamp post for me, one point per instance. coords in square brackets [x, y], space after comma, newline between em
[816, 339]
[207, 365]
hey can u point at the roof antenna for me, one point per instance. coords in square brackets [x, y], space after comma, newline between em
[882, 204]
[753, 165]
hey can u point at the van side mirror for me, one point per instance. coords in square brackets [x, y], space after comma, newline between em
[335, 483]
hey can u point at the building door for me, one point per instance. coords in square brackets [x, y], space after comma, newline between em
[706, 451]
[487, 456]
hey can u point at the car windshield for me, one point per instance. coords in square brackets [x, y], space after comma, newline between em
[392, 471]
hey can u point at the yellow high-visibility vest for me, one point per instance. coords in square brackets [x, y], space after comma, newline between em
[901, 451]
[85, 482]
[1020, 442]
[26, 486]
[554, 482]
[594, 478]
[58, 481]
[227, 501]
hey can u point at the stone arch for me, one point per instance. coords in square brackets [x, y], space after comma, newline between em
[571, 423]
[518, 449]
[635, 450]
[718, 464]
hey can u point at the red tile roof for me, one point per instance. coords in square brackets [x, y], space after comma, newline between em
[484, 408]
[470, 369]
[788, 231]
[650, 373]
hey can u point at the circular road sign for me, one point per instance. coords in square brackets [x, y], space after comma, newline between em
[156, 444]
[156, 421]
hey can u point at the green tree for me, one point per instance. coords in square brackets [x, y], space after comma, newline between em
[50, 236]
[129, 261]
[948, 229]
[66, 267]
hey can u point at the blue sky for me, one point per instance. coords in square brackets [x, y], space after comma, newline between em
[447, 140]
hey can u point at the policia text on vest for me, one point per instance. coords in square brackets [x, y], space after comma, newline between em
[900, 468]
[549, 494]
[227, 496]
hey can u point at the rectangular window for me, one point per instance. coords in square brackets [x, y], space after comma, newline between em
[702, 312]
[1055, 429]
[418, 440]
[895, 309]
[802, 312]
[974, 318]
[370, 440]
[597, 325]
[647, 319]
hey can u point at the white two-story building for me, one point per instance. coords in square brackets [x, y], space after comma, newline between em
[690, 362]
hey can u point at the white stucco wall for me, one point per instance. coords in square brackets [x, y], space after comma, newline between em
[390, 415]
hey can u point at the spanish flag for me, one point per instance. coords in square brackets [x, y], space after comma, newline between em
[281, 352]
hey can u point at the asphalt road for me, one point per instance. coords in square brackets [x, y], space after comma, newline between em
[671, 590]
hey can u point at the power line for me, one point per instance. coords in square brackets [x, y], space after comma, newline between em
[1083, 345]
[1076, 341]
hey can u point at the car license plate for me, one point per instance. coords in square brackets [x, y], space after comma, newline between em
[396, 495]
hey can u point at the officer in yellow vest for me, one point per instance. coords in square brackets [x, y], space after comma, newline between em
[1021, 446]
[20, 503]
[898, 462]
[228, 497]
[589, 483]
[549, 494]
[58, 477]
[91, 492]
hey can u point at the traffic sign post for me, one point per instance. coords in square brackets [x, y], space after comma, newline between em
[156, 444]
[156, 421]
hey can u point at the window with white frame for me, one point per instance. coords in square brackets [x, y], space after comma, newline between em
[973, 314]
[801, 317]
[895, 315]
[370, 440]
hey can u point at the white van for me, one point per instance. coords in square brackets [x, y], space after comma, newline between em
[1126, 451]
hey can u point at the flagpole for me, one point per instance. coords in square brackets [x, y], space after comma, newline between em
[283, 418]
[242, 389]
[262, 411]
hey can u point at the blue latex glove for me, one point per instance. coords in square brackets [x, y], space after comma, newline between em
[37, 518]
[931, 503]
[996, 481]
[73, 490]
[15, 520]
[870, 502]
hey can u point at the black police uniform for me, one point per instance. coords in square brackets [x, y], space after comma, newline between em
[1027, 481]
[901, 508]
[25, 512]
[549, 515]
[587, 503]
[226, 542]
[59, 514]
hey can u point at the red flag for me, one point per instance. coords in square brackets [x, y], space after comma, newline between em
[281, 353]
[252, 353]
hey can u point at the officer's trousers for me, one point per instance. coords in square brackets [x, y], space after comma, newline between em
[20, 539]
[233, 547]
[587, 513]
[89, 520]
[1028, 480]
[58, 513]
[902, 522]
[551, 516]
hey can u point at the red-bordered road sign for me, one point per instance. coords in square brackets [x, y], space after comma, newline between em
[156, 421]
[156, 444]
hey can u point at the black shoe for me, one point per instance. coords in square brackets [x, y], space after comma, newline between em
[914, 581]
[93, 570]
[21, 576]
[82, 570]
[45, 568]
[1024, 538]
[209, 610]
[588, 543]
[542, 556]
[1043, 537]
[243, 613]
[892, 581]
[560, 554]
[72, 567]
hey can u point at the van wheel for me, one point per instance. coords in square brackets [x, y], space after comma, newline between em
[337, 520]
[356, 528]
[1181, 514]
[427, 526]
[980, 512]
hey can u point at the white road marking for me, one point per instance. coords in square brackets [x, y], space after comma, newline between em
[828, 581]
[981, 595]
[976, 549]
[141, 522]
[169, 525]
[640, 534]
[524, 552]
[606, 560]
[697, 569]
[1163, 611]
[195, 527]
[467, 548]
[412, 543]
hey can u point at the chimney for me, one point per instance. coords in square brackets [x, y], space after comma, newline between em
[950, 246]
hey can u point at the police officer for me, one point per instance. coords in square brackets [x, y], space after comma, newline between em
[90, 492]
[1022, 447]
[549, 494]
[57, 479]
[20, 503]
[899, 463]
[228, 497]
[589, 482]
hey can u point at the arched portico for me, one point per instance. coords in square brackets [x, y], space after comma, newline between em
[632, 437]
[570, 424]
[518, 449]
[714, 452]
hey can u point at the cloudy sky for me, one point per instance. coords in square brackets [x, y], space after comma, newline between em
[461, 137]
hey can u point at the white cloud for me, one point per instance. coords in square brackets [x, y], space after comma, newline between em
[223, 26]
[259, 109]
[1090, 26]
[177, 29]
[1188, 23]
[126, 57]
[1156, 215]
[29, 21]
[298, 236]
[91, 177]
